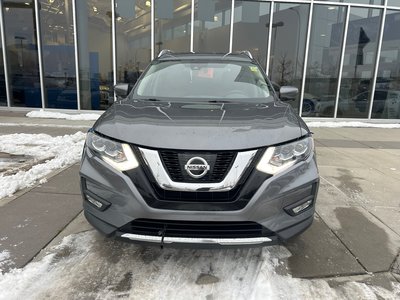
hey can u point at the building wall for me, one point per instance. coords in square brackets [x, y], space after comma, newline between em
[342, 55]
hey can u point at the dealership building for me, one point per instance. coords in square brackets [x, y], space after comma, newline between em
[343, 55]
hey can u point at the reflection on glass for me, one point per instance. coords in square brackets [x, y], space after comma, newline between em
[133, 39]
[289, 31]
[359, 62]
[324, 58]
[3, 93]
[374, 2]
[393, 3]
[211, 26]
[22, 54]
[58, 54]
[95, 54]
[251, 17]
[387, 91]
[172, 25]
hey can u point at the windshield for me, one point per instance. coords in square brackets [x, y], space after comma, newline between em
[216, 80]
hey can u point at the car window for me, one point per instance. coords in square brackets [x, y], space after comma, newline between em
[221, 80]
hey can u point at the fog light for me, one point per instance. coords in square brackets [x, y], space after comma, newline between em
[96, 203]
[302, 207]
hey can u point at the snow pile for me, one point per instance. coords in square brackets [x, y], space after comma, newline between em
[89, 266]
[44, 125]
[61, 151]
[57, 115]
[340, 124]
[5, 259]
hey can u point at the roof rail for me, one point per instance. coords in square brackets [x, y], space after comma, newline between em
[244, 52]
[164, 52]
[247, 53]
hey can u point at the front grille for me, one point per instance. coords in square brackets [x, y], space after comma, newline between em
[157, 197]
[195, 229]
[174, 162]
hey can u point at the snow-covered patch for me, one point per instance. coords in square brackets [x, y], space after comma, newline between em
[57, 115]
[89, 266]
[5, 260]
[4, 255]
[339, 124]
[44, 125]
[53, 153]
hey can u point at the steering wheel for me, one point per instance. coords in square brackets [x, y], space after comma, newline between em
[235, 93]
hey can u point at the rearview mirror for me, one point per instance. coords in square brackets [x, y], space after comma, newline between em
[121, 89]
[288, 93]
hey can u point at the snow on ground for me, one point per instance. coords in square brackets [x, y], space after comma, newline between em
[43, 125]
[89, 266]
[4, 256]
[59, 151]
[338, 124]
[57, 115]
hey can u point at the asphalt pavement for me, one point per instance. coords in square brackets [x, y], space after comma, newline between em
[355, 234]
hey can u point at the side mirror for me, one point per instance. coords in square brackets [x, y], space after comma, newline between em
[122, 89]
[288, 93]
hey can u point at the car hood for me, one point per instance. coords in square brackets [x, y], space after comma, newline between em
[199, 125]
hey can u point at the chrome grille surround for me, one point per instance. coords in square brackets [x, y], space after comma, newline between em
[154, 163]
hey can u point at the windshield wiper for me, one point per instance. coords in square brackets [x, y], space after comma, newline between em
[219, 101]
[151, 99]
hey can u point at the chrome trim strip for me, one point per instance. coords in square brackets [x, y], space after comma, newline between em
[271, 19]
[5, 60]
[114, 43]
[191, 26]
[231, 27]
[152, 29]
[305, 65]
[40, 56]
[241, 163]
[184, 240]
[77, 75]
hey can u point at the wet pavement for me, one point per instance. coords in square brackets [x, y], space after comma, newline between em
[355, 235]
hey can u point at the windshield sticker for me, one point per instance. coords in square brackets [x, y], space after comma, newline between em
[206, 73]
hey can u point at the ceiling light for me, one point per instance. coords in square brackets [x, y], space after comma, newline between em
[215, 18]
[94, 8]
[332, 7]
[148, 3]
[51, 1]
[323, 34]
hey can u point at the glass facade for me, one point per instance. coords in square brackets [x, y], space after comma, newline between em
[22, 53]
[94, 20]
[172, 25]
[359, 62]
[287, 54]
[252, 17]
[212, 19]
[326, 41]
[133, 39]
[342, 55]
[386, 101]
[56, 25]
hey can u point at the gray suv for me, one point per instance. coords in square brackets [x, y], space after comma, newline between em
[200, 152]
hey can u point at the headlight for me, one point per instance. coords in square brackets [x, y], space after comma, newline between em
[119, 156]
[279, 158]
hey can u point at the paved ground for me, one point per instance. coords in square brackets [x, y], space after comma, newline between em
[355, 235]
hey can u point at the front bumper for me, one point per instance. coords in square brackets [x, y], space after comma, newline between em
[266, 206]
